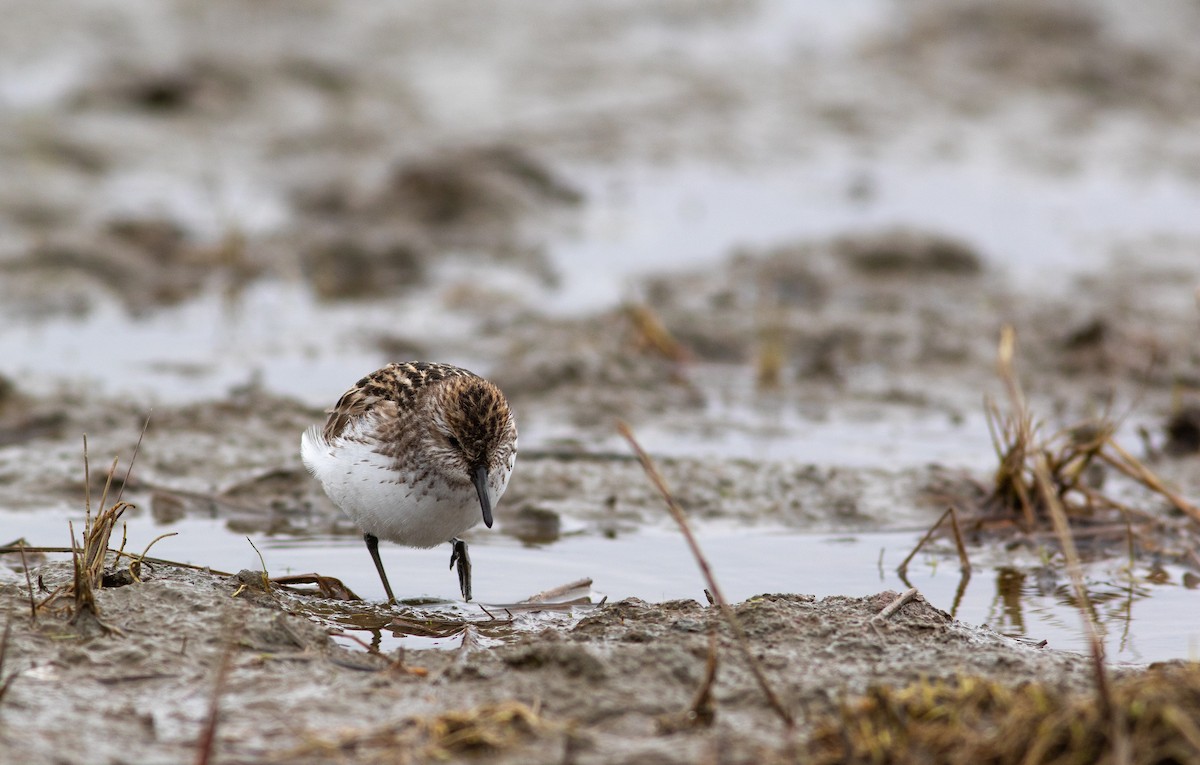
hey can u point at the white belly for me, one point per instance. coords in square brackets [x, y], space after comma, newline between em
[392, 505]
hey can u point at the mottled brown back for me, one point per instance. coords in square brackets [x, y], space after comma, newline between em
[394, 386]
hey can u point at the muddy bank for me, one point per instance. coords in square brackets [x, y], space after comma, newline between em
[613, 687]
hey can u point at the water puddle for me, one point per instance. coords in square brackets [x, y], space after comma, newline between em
[1138, 611]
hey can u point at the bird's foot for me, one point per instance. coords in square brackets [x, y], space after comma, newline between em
[459, 556]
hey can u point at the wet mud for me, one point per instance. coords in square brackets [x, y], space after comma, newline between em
[616, 685]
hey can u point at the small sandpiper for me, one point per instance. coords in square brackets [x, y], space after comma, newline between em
[416, 453]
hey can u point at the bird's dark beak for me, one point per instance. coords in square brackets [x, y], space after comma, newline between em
[480, 478]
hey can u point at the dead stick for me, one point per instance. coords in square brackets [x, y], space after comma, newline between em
[903, 567]
[1119, 735]
[895, 605]
[562, 589]
[743, 641]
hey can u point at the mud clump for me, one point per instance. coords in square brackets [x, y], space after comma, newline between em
[1183, 432]
[472, 186]
[345, 268]
[908, 251]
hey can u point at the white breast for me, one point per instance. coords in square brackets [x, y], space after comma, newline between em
[390, 504]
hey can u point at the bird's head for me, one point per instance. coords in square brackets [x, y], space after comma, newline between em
[474, 433]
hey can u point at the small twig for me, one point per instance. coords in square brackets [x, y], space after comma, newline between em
[895, 605]
[558, 592]
[735, 625]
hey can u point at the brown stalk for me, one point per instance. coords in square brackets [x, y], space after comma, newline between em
[735, 625]
[208, 735]
[1119, 735]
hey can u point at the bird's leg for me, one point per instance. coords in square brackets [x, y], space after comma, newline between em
[459, 556]
[373, 548]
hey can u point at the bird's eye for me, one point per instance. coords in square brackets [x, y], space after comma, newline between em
[454, 444]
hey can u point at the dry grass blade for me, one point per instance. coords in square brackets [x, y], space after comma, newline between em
[1118, 733]
[735, 625]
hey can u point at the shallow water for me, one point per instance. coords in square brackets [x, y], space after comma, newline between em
[1139, 616]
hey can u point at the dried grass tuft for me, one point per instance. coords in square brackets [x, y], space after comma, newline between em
[1070, 456]
[971, 719]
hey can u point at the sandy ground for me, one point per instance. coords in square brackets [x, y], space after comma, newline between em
[159, 156]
